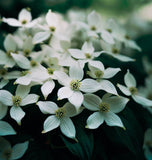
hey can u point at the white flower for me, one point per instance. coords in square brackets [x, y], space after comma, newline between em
[114, 50]
[86, 54]
[105, 110]
[73, 85]
[148, 144]
[98, 71]
[24, 20]
[132, 91]
[12, 153]
[61, 117]
[21, 98]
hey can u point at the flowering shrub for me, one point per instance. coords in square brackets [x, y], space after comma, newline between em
[58, 65]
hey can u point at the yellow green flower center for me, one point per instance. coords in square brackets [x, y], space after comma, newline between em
[60, 112]
[109, 30]
[88, 55]
[23, 73]
[104, 107]
[133, 90]
[3, 72]
[115, 51]
[27, 52]
[24, 21]
[75, 85]
[33, 63]
[16, 100]
[93, 28]
[52, 29]
[127, 37]
[50, 70]
[99, 74]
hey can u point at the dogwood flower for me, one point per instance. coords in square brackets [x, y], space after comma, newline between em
[61, 117]
[98, 71]
[12, 153]
[73, 85]
[21, 98]
[86, 54]
[24, 19]
[105, 110]
[132, 91]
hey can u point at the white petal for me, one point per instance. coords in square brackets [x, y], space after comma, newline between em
[112, 119]
[4, 57]
[89, 85]
[17, 114]
[93, 18]
[110, 72]
[47, 107]
[96, 64]
[123, 58]
[133, 45]
[4, 145]
[13, 75]
[12, 22]
[51, 123]
[76, 72]
[62, 77]
[108, 87]
[67, 127]
[3, 110]
[6, 129]
[87, 47]
[77, 53]
[124, 89]
[64, 92]
[22, 91]
[47, 88]
[6, 97]
[117, 104]
[70, 110]
[91, 102]
[76, 99]
[21, 61]
[23, 80]
[3, 83]
[95, 120]
[51, 19]
[28, 45]
[41, 36]
[24, 15]
[142, 100]
[129, 79]
[29, 99]
[9, 43]
[107, 37]
[19, 149]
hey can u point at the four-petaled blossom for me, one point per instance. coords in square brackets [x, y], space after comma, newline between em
[61, 117]
[21, 98]
[131, 90]
[105, 110]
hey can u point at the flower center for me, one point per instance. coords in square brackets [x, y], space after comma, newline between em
[115, 50]
[23, 73]
[24, 21]
[16, 100]
[99, 74]
[127, 37]
[3, 72]
[75, 85]
[88, 55]
[133, 90]
[109, 30]
[60, 112]
[104, 107]
[27, 52]
[50, 70]
[33, 63]
[93, 28]
[52, 29]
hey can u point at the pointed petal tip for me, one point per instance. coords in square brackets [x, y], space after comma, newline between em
[75, 139]
[43, 132]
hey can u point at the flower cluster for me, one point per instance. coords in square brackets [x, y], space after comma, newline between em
[66, 56]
